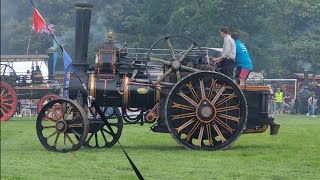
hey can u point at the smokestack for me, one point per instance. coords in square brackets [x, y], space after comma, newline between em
[53, 56]
[83, 17]
[306, 79]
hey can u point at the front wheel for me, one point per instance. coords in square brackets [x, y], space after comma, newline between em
[62, 125]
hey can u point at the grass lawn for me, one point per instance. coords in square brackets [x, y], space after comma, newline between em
[293, 154]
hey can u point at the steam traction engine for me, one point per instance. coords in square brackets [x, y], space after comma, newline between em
[175, 88]
[25, 85]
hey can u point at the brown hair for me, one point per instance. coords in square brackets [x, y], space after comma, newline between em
[235, 36]
[224, 29]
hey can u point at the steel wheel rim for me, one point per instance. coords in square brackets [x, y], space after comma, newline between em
[8, 101]
[62, 133]
[227, 121]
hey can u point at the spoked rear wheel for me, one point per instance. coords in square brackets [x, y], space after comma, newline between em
[206, 111]
[45, 99]
[8, 101]
[62, 125]
[99, 134]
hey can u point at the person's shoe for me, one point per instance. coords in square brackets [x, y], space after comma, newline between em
[307, 114]
[274, 129]
[314, 116]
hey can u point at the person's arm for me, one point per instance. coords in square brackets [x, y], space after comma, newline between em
[226, 49]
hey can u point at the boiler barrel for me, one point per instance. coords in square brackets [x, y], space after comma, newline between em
[120, 92]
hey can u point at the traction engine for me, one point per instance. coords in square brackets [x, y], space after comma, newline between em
[170, 85]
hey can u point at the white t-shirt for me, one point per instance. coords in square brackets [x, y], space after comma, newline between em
[229, 47]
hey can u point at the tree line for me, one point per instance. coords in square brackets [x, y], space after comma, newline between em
[282, 36]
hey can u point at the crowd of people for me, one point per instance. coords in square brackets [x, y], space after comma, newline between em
[280, 102]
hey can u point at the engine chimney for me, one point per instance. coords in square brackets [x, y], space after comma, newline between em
[83, 17]
[306, 79]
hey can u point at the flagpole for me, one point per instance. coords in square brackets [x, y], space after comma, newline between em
[29, 41]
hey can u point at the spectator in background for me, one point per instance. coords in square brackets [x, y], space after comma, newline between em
[312, 105]
[278, 96]
[26, 105]
[243, 60]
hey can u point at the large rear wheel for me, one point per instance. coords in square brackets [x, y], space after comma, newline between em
[206, 111]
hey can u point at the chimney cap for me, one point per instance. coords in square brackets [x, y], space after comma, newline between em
[83, 6]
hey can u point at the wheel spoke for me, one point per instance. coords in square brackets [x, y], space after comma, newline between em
[226, 99]
[193, 130]
[160, 60]
[76, 133]
[115, 124]
[64, 140]
[96, 138]
[171, 49]
[75, 116]
[189, 68]
[212, 86]
[181, 106]
[46, 118]
[180, 128]
[203, 92]
[232, 118]
[216, 128]
[56, 140]
[6, 104]
[224, 125]
[46, 127]
[90, 137]
[195, 95]
[178, 75]
[218, 94]
[187, 52]
[5, 108]
[107, 132]
[228, 108]
[70, 139]
[52, 134]
[104, 137]
[164, 76]
[188, 99]
[75, 125]
[182, 116]
[208, 127]
[199, 141]
[3, 97]
[4, 113]
[54, 113]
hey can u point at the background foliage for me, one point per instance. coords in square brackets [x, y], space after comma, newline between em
[282, 36]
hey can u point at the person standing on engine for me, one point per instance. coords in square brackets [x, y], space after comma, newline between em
[227, 59]
[243, 60]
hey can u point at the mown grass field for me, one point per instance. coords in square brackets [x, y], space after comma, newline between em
[293, 154]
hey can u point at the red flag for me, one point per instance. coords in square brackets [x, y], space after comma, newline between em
[38, 22]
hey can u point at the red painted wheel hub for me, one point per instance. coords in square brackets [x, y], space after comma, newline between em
[8, 101]
[45, 99]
